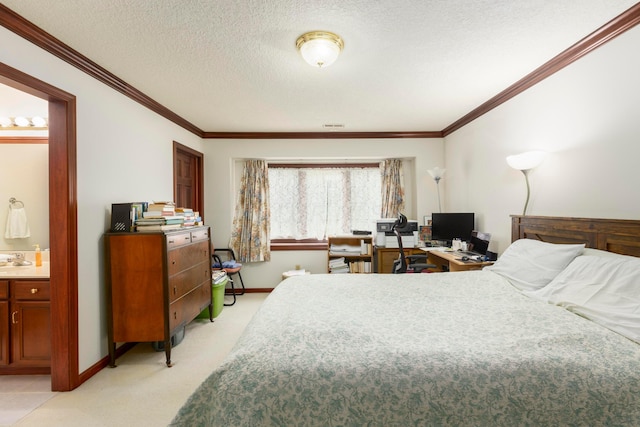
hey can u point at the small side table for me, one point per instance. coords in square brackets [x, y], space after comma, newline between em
[292, 273]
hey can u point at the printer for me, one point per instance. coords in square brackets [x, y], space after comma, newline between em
[386, 238]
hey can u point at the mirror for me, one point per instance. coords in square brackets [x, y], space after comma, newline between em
[24, 173]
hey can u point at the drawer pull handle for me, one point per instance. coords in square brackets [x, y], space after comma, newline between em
[175, 290]
[34, 290]
[170, 241]
[13, 317]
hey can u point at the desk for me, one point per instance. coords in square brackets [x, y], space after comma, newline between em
[450, 261]
[385, 257]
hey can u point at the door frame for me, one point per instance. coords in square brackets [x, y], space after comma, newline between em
[63, 237]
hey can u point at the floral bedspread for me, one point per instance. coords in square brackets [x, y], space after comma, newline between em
[418, 349]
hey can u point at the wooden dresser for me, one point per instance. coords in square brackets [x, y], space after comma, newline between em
[157, 282]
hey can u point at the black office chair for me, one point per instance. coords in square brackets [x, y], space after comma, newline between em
[227, 262]
[407, 263]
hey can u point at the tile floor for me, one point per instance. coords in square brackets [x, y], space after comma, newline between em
[21, 394]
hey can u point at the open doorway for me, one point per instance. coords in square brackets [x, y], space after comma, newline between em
[62, 213]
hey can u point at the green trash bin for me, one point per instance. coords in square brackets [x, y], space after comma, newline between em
[217, 298]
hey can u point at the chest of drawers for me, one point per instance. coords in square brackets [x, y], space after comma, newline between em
[157, 283]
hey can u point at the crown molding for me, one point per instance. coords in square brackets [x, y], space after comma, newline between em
[27, 30]
[607, 32]
[36, 35]
[320, 135]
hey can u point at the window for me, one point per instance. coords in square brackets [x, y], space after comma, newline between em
[311, 202]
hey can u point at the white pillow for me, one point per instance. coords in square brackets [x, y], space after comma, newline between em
[531, 264]
[603, 289]
[601, 253]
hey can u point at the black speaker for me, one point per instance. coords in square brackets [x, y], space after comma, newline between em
[491, 256]
[121, 217]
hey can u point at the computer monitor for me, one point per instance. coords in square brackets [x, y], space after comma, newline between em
[449, 226]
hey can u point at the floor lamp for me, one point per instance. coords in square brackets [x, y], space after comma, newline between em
[437, 173]
[524, 162]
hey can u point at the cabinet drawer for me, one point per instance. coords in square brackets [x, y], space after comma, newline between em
[185, 309]
[175, 240]
[200, 235]
[185, 257]
[186, 280]
[4, 289]
[34, 290]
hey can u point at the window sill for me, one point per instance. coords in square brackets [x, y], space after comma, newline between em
[299, 246]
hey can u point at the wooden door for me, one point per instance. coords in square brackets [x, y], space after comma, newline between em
[188, 178]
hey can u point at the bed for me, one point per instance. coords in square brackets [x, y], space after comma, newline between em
[512, 345]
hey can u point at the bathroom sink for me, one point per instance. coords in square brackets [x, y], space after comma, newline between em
[13, 264]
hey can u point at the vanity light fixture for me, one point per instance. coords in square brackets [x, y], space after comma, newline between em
[524, 162]
[320, 48]
[437, 174]
[23, 123]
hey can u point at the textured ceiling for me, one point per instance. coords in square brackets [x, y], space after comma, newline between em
[232, 66]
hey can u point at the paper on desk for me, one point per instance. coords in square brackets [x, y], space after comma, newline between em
[435, 248]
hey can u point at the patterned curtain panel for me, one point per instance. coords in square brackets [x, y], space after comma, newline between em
[392, 188]
[250, 234]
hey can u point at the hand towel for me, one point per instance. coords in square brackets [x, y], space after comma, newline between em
[17, 224]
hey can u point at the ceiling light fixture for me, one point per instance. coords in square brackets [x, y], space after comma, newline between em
[320, 48]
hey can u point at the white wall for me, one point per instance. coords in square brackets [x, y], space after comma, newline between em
[585, 116]
[223, 169]
[124, 153]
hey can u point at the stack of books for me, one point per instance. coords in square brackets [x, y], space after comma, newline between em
[338, 265]
[159, 216]
[160, 209]
[345, 249]
[189, 216]
[360, 266]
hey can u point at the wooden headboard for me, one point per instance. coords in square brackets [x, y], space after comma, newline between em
[621, 236]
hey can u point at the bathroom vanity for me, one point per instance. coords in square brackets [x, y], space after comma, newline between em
[25, 328]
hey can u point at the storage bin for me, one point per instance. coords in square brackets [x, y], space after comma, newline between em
[217, 300]
[176, 339]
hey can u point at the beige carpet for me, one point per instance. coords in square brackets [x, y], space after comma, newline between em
[141, 390]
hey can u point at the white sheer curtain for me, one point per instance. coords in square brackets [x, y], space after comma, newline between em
[312, 203]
